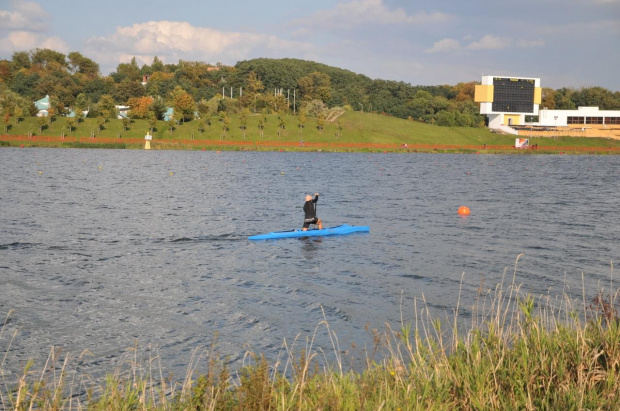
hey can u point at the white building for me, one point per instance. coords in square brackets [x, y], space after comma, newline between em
[584, 116]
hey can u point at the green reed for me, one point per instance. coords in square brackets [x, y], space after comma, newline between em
[518, 352]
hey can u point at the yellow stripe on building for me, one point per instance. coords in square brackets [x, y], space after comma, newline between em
[483, 93]
[537, 95]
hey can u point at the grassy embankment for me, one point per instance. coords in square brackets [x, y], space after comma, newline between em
[360, 132]
[516, 354]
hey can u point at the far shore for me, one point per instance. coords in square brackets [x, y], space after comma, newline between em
[353, 132]
[230, 145]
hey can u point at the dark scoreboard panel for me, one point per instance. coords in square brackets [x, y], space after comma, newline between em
[513, 95]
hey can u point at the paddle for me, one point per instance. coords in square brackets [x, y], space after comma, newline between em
[316, 207]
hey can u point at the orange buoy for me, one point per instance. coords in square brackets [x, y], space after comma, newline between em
[463, 210]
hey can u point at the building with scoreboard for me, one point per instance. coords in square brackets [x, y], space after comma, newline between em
[507, 100]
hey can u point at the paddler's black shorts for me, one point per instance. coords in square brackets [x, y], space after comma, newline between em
[309, 221]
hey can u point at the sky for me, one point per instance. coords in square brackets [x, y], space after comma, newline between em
[566, 43]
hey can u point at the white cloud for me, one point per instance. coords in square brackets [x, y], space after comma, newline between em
[25, 40]
[490, 42]
[444, 46]
[530, 43]
[595, 28]
[26, 16]
[172, 40]
[25, 27]
[357, 12]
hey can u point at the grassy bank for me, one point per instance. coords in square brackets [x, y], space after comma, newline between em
[517, 353]
[352, 131]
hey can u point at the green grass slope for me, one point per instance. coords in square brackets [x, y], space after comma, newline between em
[356, 129]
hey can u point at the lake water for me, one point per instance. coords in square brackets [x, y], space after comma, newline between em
[102, 249]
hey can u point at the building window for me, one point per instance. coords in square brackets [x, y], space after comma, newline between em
[594, 120]
[612, 120]
[574, 120]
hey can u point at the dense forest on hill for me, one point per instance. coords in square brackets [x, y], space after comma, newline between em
[259, 85]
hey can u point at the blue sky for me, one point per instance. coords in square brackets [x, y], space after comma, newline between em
[573, 43]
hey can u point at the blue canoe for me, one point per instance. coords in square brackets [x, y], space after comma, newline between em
[337, 230]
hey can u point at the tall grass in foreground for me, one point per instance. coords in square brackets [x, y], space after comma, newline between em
[517, 352]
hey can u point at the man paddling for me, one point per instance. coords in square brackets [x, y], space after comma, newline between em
[310, 211]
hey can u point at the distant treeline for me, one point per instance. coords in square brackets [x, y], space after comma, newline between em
[258, 85]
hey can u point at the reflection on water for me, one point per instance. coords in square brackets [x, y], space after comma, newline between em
[100, 248]
[310, 247]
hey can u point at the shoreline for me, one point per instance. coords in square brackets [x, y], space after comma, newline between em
[290, 146]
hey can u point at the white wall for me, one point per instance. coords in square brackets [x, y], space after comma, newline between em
[552, 118]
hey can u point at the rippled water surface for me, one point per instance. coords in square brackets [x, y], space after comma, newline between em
[100, 249]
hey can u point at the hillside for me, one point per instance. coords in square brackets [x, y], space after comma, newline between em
[273, 86]
[351, 131]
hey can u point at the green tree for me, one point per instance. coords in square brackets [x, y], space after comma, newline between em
[152, 119]
[261, 125]
[301, 121]
[316, 85]
[101, 120]
[128, 89]
[83, 65]
[17, 113]
[157, 65]
[21, 60]
[281, 122]
[339, 127]
[51, 115]
[47, 58]
[563, 99]
[320, 121]
[243, 121]
[6, 118]
[6, 71]
[107, 106]
[421, 106]
[595, 97]
[275, 104]
[225, 120]
[159, 107]
[129, 71]
[79, 106]
[446, 118]
[548, 98]
[183, 104]
[207, 108]
[126, 123]
[253, 89]
[41, 122]
[315, 108]
[70, 123]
